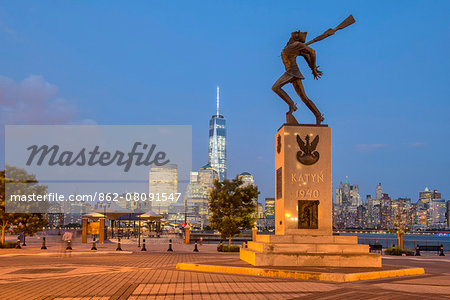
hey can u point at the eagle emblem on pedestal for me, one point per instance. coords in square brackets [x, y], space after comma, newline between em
[308, 154]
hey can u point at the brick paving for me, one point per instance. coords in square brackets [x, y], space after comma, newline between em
[152, 275]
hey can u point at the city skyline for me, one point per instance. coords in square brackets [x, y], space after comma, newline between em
[377, 190]
[377, 135]
[381, 211]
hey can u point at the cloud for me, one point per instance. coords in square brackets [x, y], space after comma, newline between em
[418, 145]
[369, 147]
[34, 101]
[6, 29]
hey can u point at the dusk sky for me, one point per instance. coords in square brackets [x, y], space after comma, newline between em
[385, 89]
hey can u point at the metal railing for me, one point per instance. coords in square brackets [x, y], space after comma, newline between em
[410, 244]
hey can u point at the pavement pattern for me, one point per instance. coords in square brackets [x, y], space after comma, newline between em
[32, 273]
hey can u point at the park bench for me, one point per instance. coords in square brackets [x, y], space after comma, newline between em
[375, 247]
[439, 249]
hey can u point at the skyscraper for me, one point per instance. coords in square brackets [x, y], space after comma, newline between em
[447, 215]
[260, 210]
[379, 191]
[437, 212]
[270, 208]
[340, 194]
[427, 195]
[246, 178]
[355, 198]
[217, 149]
[197, 193]
[163, 186]
[385, 211]
[346, 192]
[349, 210]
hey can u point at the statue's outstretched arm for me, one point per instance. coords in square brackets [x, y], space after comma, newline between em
[311, 60]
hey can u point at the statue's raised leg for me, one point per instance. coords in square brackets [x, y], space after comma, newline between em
[277, 88]
[298, 86]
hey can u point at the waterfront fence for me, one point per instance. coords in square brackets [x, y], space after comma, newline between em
[410, 244]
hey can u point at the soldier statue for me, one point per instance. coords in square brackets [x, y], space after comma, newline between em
[295, 47]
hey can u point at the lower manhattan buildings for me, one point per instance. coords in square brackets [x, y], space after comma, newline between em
[197, 194]
[380, 211]
[267, 222]
[193, 206]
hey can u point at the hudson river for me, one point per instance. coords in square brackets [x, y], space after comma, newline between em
[410, 240]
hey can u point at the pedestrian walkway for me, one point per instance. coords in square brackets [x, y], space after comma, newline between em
[152, 275]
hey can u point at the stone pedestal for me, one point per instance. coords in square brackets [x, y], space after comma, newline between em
[303, 208]
[303, 193]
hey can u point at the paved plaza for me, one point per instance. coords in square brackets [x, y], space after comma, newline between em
[32, 273]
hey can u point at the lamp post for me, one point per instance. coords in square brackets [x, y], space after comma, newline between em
[104, 215]
[60, 221]
[185, 211]
[139, 224]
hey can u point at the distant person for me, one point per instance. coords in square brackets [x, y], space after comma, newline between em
[67, 236]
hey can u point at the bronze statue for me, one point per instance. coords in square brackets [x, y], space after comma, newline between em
[296, 46]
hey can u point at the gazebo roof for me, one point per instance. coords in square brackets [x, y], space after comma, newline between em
[113, 211]
[129, 217]
[150, 215]
[93, 216]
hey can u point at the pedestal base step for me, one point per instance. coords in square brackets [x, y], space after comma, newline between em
[308, 248]
[336, 276]
[329, 259]
[306, 239]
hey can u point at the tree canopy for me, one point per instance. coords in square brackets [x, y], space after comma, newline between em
[233, 207]
[20, 182]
